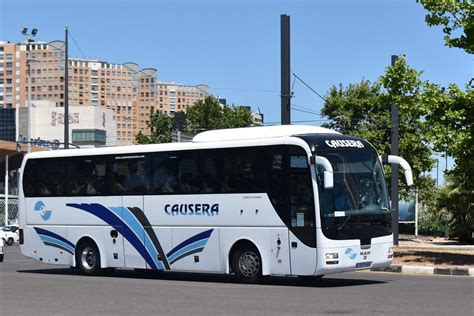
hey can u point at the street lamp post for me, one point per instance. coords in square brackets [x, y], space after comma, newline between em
[28, 75]
[66, 93]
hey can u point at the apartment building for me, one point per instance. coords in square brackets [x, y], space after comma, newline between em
[130, 92]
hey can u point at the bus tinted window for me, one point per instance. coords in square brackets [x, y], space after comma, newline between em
[277, 183]
[87, 176]
[129, 175]
[31, 178]
[164, 173]
[239, 171]
[188, 172]
[45, 177]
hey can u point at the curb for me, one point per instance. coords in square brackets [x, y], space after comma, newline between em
[427, 270]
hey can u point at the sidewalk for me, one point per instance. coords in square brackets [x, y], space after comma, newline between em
[432, 255]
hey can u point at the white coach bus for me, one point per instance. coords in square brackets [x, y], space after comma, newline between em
[281, 200]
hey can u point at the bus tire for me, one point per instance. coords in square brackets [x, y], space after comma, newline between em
[88, 258]
[1, 257]
[10, 241]
[247, 264]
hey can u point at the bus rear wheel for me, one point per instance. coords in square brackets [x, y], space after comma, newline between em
[88, 258]
[10, 241]
[247, 264]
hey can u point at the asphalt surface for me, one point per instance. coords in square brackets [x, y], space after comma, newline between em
[31, 288]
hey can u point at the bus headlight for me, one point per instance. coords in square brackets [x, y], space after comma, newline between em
[333, 255]
[390, 250]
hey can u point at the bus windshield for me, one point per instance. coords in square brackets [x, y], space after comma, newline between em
[357, 206]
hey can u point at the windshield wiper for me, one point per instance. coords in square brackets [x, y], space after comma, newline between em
[344, 222]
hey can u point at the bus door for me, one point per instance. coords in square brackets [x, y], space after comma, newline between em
[302, 224]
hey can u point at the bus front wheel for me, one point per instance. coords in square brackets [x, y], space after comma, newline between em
[88, 258]
[247, 264]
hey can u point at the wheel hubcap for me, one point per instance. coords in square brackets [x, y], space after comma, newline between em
[249, 264]
[88, 258]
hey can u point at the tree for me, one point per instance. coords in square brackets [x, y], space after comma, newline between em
[160, 126]
[363, 110]
[457, 19]
[451, 128]
[457, 204]
[208, 114]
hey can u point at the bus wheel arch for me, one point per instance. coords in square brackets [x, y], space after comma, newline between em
[242, 252]
[88, 257]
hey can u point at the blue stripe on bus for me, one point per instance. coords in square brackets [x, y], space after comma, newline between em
[202, 235]
[52, 240]
[45, 232]
[138, 229]
[193, 246]
[115, 221]
[47, 243]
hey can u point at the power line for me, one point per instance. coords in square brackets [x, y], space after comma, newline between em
[72, 37]
[243, 89]
[305, 108]
[305, 111]
[309, 87]
[303, 121]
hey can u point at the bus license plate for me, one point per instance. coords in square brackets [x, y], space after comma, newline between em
[363, 265]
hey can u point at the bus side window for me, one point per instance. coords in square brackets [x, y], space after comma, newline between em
[210, 171]
[275, 162]
[129, 176]
[86, 176]
[188, 172]
[52, 180]
[164, 173]
[32, 179]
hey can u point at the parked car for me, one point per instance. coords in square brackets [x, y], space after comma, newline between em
[9, 234]
[1, 250]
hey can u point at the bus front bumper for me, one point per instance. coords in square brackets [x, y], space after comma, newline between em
[353, 257]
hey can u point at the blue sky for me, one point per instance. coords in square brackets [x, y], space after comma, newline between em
[234, 46]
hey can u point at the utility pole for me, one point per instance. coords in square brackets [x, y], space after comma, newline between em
[66, 93]
[285, 69]
[395, 152]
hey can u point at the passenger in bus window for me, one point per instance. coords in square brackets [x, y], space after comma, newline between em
[187, 185]
[117, 186]
[133, 182]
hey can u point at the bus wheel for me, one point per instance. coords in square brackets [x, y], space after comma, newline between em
[247, 264]
[88, 258]
[10, 241]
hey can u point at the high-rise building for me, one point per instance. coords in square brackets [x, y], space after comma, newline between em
[126, 89]
[174, 97]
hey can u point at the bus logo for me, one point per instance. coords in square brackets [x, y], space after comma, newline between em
[351, 253]
[41, 208]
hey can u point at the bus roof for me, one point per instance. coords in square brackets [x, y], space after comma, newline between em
[259, 132]
[241, 137]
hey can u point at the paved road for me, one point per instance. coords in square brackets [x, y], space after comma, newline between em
[27, 287]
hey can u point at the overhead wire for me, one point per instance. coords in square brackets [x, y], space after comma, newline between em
[78, 47]
[308, 86]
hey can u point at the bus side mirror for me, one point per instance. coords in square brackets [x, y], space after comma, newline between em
[403, 163]
[328, 171]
